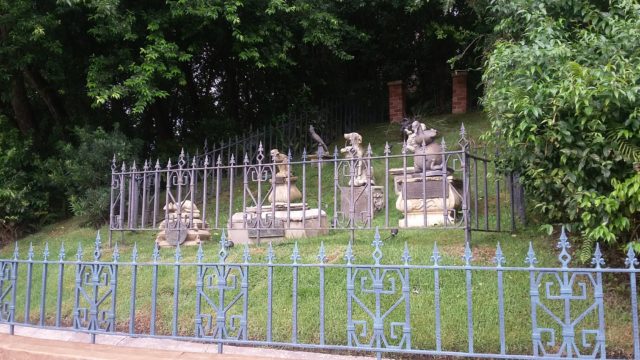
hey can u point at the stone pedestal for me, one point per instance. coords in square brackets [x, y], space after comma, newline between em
[429, 200]
[277, 224]
[184, 227]
[284, 191]
[361, 204]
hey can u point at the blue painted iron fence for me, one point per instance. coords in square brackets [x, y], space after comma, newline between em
[374, 307]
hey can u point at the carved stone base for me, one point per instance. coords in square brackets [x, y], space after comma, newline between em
[360, 198]
[193, 237]
[285, 191]
[426, 201]
[282, 224]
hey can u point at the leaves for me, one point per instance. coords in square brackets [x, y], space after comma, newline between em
[561, 91]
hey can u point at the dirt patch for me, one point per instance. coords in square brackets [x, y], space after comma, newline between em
[480, 253]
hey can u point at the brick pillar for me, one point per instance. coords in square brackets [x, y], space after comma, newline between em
[459, 96]
[396, 101]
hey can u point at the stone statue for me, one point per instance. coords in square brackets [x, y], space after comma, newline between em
[426, 151]
[353, 150]
[282, 162]
[318, 140]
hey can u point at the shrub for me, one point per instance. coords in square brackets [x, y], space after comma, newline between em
[84, 170]
[563, 95]
[24, 199]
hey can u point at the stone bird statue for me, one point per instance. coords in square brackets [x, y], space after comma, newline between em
[318, 139]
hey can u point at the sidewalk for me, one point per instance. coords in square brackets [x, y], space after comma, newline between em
[39, 344]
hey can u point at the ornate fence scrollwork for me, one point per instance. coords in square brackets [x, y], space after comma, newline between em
[95, 292]
[557, 331]
[379, 294]
[8, 278]
[223, 290]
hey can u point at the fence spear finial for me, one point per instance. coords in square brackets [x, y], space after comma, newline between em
[597, 259]
[97, 252]
[30, 252]
[246, 256]
[62, 253]
[468, 255]
[45, 254]
[134, 252]
[295, 256]
[435, 257]
[348, 256]
[406, 257]
[321, 253]
[499, 259]
[631, 260]
[531, 256]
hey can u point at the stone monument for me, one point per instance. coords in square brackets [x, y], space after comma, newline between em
[283, 184]
[359, 198]
[284, 216]
[427, 195]
[183, 225]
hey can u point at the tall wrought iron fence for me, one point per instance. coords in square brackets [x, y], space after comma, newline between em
[467, 192]
[332, 119]
[378, 306]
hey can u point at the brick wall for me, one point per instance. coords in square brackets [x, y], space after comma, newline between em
[459, 96]
[396, 101]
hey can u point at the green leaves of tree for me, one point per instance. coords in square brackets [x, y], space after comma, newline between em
[562, 89]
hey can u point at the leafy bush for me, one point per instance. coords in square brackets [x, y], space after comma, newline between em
[563, 95]
[83, 170]
[24, 200]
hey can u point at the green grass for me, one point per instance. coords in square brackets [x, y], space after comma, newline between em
[422, 287]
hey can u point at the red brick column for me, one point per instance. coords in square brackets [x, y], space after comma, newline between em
[459, 96]
[396, 101]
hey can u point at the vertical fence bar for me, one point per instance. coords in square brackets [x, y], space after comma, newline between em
[513, 203]
[60, 282]
[475, 197]
[467, 259]
[499, 260]
[154, 289]
[436, 295]
[43, 292]
[134, 281]
[232, 163]
[122, 197]
[495, 173]
[176, 290]
[14, 289]
[534, 295]
[387, 152]
[218, 170]
[270, 257]
[444, 177]
[321, 258]
[632, 262]
[156, 192]
[304, 188]
[27, 298]
[486, 190]
[294, 300]
[143, 219]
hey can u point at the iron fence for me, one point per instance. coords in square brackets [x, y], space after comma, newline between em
[370, 305]
[319, 192]
[332, 119]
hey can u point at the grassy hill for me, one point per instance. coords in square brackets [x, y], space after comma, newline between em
[420, 243]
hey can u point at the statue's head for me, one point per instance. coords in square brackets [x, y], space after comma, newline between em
[353, 138]
[274, 153]
[311, 128]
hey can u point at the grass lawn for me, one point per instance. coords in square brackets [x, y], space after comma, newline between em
[453, 296]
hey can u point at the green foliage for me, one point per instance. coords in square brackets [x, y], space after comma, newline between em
[83, 170]
[24, 203]
[562, 87]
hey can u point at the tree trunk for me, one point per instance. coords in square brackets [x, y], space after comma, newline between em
[47, 94]
[20, 103]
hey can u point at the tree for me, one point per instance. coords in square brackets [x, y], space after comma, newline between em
[562, 91]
